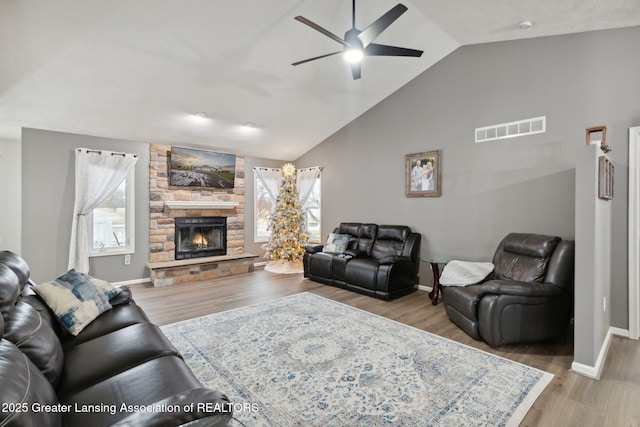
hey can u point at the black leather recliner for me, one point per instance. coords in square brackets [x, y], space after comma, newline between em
[380, 260]
[528, 297]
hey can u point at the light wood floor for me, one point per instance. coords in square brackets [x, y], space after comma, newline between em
[570, 399]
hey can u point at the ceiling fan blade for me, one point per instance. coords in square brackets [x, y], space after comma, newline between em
[317, 57]
[356, 70]
[372, 31]
[322, 30]
[383, 50]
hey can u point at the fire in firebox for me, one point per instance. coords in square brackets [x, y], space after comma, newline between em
[200, 241]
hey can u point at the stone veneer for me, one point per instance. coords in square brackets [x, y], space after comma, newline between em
[199, 269]
[161, 222]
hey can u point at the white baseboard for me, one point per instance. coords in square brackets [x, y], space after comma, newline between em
[255, 264]
[132, 282]
[624, 333]
[596, 370]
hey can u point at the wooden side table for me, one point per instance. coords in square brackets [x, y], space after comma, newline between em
[435, 269]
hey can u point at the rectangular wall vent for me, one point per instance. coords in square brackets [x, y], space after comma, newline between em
[512, 129]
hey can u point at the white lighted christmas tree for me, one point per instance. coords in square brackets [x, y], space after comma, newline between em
[286, 224]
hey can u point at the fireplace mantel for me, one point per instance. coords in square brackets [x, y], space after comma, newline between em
[200, 205]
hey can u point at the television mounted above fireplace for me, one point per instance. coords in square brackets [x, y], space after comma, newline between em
[189, 167]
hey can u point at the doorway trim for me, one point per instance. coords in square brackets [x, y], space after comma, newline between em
[633, 260]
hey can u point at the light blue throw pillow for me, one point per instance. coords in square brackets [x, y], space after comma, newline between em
[107, 288]
[74, 299]
[336, 243]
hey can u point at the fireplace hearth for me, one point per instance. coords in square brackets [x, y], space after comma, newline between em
[200, 237]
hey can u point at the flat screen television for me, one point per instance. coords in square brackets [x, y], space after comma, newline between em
[189, 167]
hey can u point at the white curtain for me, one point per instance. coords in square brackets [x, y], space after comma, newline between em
[306, 179]
[271, 178]
[98, 174]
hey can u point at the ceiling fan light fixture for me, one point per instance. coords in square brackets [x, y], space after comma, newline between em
[358, 43]
[353, 55]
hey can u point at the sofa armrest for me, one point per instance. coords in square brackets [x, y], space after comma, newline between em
[312, 249]
[201, 403]
[394, 259]
[124, 297]
[518, 288]
[412, 247]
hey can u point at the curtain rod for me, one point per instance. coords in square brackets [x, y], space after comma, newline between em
[100, 152]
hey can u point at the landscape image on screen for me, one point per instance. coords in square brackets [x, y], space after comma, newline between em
[189, 167]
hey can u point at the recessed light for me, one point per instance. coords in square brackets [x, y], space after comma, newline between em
[201, 114]
[525, 25]
[246, 130]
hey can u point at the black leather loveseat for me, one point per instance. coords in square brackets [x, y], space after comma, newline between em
[120, 370]
[380, 260]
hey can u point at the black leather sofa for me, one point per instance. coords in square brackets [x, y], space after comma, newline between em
[528, 297]
[120, 370]
[380, 260]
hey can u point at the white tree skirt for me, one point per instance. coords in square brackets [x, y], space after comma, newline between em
[284, 267]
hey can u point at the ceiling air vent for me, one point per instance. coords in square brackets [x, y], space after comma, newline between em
[512, 129]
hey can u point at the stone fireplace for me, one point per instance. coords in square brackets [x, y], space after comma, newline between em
[169, 206]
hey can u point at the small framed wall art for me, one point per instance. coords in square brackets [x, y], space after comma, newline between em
[605, 178]
[422, 174]
[597, 135]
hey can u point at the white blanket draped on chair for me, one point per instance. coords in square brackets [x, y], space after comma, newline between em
[465, 273]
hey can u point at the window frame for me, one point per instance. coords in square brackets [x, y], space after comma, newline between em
[256, 238]
[129, 248]
[319, 207]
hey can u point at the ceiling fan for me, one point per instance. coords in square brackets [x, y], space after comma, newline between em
[359, 43]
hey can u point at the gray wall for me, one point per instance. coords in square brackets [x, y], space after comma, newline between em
[593, 231]
[48, 186]
[522, 184]
[10, 189]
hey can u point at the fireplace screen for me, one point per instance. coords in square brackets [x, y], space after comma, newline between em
[200, 237]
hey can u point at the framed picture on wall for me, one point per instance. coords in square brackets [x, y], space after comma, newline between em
[422, 177]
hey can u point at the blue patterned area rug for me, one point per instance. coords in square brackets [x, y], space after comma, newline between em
[304, 360]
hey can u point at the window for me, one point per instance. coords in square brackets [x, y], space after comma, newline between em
[112, 222]
[311, 211]
[263, 206]
[265, 203]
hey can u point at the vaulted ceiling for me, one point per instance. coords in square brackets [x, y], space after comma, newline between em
[138, 70]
